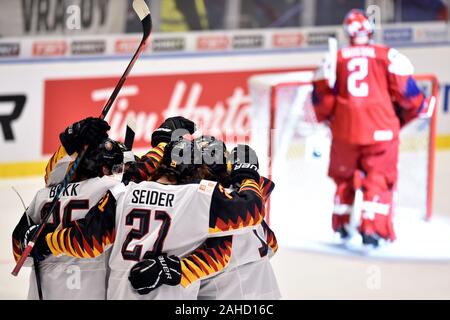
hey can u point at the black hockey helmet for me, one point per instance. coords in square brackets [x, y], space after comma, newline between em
[213, 153]
[178, 158]
[109, 154]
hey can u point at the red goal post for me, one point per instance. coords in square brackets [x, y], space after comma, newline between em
[282, 110]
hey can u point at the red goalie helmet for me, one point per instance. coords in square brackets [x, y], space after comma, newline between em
[358, 27]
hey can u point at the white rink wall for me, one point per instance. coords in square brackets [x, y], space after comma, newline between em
[203, 86]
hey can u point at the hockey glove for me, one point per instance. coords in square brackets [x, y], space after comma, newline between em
[40, 248]
[90, 131]
[166, 129]
[154, 271]
[134, 172]
[244, 164]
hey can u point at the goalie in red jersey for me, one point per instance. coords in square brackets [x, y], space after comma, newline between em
[373, 96]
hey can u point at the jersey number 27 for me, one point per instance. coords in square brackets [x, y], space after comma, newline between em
[144, 216]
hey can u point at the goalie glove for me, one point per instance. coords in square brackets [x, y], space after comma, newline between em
[323, 71]
[167, 129]
[244, 164]
[154, 271]
[90, 131]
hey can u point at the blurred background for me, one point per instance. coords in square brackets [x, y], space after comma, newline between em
[60, 59]
[45, 17]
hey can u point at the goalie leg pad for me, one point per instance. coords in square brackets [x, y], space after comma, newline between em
[379, 162]
[343, 203]
[377, 206]
[343, 164]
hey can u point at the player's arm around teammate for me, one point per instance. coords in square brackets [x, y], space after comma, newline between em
[214, 254]
[248, 274]
[169, 130]
[91, 131]
[229, 213]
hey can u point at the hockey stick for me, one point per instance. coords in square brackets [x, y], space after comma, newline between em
[143, 12]
[128, 155]
[35, 262]
[130, 132]
[332, 50]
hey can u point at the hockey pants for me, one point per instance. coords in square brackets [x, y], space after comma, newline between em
[373, 169]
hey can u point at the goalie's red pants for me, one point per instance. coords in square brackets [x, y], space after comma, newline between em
[378, 163]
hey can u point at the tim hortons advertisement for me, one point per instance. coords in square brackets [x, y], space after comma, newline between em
[217, 102]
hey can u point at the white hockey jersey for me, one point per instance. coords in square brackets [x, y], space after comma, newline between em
[154, 217]
[66, 277]
[249, 274]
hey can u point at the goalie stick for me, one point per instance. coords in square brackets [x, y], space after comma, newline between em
[332, 51]
[143, 12]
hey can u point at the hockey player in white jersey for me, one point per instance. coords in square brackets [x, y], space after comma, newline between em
[163, 215]
[248, 273]
[66, 277]
[91, 132]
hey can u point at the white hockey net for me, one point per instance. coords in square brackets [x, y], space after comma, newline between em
[285, 129]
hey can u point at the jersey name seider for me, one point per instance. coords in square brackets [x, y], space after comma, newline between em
[152, 198]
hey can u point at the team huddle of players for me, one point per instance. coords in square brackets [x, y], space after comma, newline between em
[185, 221]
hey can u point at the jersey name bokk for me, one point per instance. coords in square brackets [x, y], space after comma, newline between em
[66, 277]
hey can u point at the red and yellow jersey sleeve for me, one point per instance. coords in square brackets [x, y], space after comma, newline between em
[215, 253]
[148, 163]
[55, 160]
[88, 237]
[231, 212]
[267, 187]
[271, 240]
[207, 260]
[60, 163]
